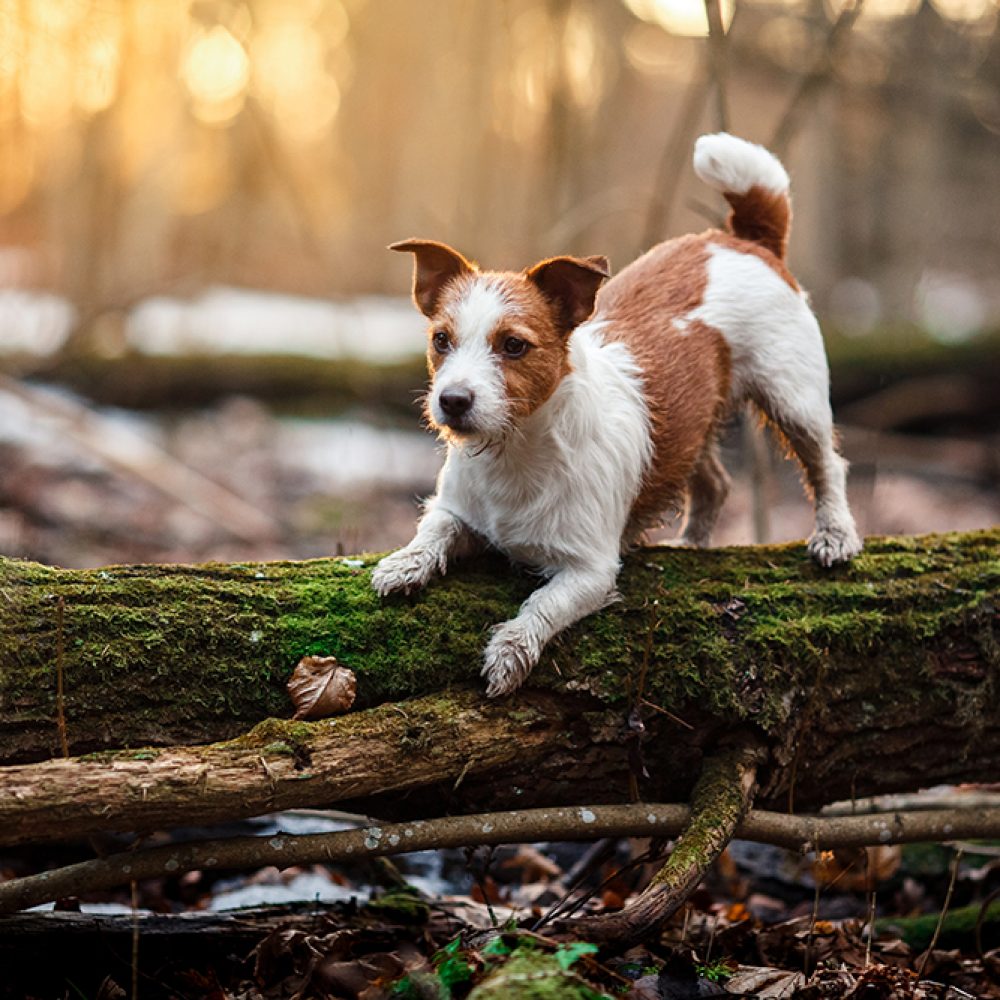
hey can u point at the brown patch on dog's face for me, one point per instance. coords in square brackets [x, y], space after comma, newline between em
[525, 343]
[497, 338]
[532, 349]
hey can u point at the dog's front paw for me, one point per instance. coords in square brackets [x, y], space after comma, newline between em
[836, 543]
[508, 659]
[406, 570]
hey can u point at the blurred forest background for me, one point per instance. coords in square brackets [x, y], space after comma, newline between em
[206, 351]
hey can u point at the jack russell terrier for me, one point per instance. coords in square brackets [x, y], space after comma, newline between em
[571, 427]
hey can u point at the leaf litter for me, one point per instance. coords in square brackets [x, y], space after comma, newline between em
[765, 924]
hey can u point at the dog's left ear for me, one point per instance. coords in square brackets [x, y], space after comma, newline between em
[571, 284]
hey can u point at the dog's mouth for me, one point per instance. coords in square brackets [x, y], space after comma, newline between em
[465, 434]
[463, 426]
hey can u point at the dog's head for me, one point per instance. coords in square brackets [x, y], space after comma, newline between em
[497, 340]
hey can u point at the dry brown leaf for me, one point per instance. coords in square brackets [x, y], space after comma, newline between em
[773, 984]
[320, 686]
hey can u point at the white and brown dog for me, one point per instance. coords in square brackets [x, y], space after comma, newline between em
[570, 428]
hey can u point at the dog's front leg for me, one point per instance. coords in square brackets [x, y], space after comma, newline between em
[569, 595]
[440, 535]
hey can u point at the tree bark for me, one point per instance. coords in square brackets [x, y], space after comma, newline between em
[879, 677]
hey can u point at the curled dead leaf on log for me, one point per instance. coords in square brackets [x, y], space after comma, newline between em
[320, 687]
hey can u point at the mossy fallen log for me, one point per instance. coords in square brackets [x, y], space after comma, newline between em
[878, 677]
[294, 383]
[860, 367]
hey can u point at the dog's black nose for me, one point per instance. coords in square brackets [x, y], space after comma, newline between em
[456, 402]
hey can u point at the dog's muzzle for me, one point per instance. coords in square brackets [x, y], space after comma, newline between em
[456, 405]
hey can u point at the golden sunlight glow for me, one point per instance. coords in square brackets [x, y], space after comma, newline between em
[17, 173]
[291, 79]
[521, 96]
[653, 52]
[10, 45]
[216, 71]
[965, 10]
[57, 16]
[150, 121]
[584, 70]
[97, 75]
[46, 79]
[201, 176]
[679, 17]
[876, 9]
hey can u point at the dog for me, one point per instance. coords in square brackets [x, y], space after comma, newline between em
[576, 412]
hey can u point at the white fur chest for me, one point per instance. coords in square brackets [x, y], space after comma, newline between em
[561, 488]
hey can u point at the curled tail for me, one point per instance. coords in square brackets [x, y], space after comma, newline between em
[753, 182]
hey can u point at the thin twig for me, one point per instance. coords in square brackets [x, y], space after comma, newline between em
[807, 959]
[669, 715]
[567, 906]
[871, 926]
[676, 151]
[531, 825]
[717, 61]
[942, 915]
[814, 80]
[983, 910]
[60, 691]
[135, 939]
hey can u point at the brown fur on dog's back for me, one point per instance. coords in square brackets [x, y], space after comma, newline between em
[686, 372]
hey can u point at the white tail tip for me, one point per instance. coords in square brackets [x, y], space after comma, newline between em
[734, 165]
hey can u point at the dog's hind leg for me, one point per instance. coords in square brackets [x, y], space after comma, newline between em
[708, 488]
[808, 429]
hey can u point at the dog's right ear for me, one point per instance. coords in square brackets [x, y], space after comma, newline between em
[434, 265]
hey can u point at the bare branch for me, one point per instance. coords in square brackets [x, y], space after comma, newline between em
[813, 82]
[717, 61]
[569, 823]
[721, 799]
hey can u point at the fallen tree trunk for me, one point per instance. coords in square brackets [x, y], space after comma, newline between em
[893, 661]
[172, 382]
[861, 367]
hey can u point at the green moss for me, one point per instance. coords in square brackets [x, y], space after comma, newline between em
[403, 904]
[957, 930]
[110, 755]
[534, 975]
[740, 633]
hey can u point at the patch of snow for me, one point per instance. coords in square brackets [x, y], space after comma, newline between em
[241, 321]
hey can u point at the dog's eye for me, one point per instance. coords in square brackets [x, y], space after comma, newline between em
[514, 347]
[441, 342]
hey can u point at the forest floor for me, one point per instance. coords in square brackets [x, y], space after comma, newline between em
[454, 924]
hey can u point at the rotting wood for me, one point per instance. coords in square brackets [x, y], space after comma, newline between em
[392, 750]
